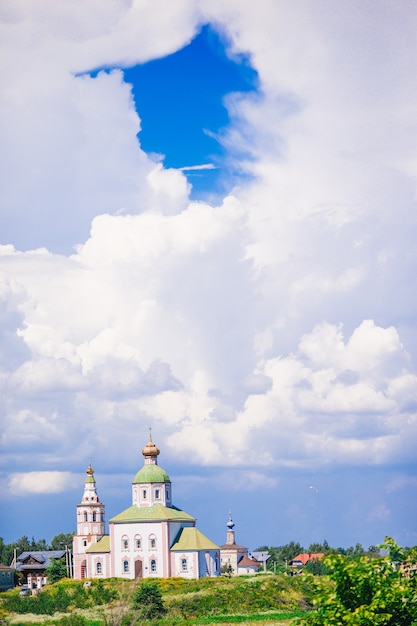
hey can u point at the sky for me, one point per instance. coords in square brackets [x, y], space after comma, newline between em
[208, 226]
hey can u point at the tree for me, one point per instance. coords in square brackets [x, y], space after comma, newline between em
[62, 541]
[280, 556]
[226, 569]
[367, 591]
[56, 570]
[148, 600]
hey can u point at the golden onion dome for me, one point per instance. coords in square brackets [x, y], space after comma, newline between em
[150, 449]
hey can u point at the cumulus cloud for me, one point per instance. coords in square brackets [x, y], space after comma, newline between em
[39, 482]
[275, 328]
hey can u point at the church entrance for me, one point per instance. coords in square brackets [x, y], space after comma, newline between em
[138, 568]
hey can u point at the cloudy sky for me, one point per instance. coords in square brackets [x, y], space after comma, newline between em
[208, 227]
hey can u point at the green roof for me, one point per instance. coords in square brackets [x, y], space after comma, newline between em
[102, 545]
[155, 513]
[151, 473]
[192, 539]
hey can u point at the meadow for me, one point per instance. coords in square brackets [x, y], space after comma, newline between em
[262, 599]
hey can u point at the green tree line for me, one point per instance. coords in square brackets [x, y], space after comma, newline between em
[24, 544]
[281, 556]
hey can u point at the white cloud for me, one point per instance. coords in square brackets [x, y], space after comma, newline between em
[40, 482]
[273, 330]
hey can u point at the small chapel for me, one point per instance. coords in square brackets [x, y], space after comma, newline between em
[151, 538]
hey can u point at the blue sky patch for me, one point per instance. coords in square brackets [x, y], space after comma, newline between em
[179, 99]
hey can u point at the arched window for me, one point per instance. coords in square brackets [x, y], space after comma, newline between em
[153, 565]
[85, 516]
[138, 542]
[94, 516]
[125, 566]
[152, 542]
[125, 543]
[99, 567]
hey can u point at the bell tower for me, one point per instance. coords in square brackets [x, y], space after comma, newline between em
[90, 524]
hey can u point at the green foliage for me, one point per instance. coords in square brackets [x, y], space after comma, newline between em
[227, 569]
[56, 570]
[60, 597]
[102, 594]
[280, 556]
[367, 591]
[317, 568]
[239, 595]
[74, 619]
[148, 600]
[62, 541]
[23, 544]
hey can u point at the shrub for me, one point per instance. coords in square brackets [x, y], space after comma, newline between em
[148, 600]
[367, 591]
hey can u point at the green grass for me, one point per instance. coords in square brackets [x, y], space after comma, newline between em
[264, 599]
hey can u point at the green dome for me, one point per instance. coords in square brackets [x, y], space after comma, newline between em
[151, 473]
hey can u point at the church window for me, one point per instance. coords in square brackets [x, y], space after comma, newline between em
[138, 543]
[125, 543]
[85, 516]
[184, 565]
[153, 565]
[85, 543]
[157, 494]
[144, 494]
[99, 567]
[152, 542]
[125, 566]
[94, 516]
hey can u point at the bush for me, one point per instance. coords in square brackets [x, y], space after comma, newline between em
[367, 591]
[148, 600]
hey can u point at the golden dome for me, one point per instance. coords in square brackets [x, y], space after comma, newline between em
[150, 449]
[89, 470]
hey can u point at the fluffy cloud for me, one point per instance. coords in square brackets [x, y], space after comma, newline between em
[273, 329]
[39, 482]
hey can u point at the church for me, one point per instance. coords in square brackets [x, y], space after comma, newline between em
[151, 538]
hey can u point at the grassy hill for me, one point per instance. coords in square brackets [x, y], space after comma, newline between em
[262, 599]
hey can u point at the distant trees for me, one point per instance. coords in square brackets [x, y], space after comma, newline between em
[280, 556]
[7, 550]
[62, 541]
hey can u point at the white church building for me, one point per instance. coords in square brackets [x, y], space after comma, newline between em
[151, 538]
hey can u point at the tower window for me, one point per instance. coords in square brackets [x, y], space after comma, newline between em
[157, 494]
[94, 516]
[85, 516]
[144, 494]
